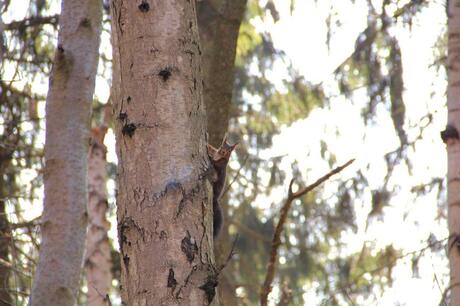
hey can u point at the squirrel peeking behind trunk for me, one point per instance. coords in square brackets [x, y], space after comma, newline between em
[219, 158]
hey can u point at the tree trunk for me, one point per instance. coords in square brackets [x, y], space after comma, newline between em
[453, 148]
[97, 258]
[219, 23]
[5, 232]
[164, 203]
[68, 111]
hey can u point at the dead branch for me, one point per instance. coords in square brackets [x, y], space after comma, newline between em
[32, 21]
[276, 242]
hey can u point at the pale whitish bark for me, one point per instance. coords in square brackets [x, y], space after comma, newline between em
[453, 147]
[68, 111]
[164, 204]
[97, 258]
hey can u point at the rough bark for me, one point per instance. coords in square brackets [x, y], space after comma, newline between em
[164, 203]
[219, 24]
[97, 258]
[68, 109]
[453, 148]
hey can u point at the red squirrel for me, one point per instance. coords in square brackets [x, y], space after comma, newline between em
[219, 158]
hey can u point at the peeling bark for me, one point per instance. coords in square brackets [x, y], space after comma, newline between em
[453, 148]
[164, 201]
[68, 109]
[97, 258]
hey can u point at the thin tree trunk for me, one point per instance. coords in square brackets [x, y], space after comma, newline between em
[219, 23]
[164, 203]
[68, 111]
[453, 148]
[5, 231]
[97, 258]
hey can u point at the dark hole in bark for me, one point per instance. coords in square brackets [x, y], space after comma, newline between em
[126, 260]
[122, 116]
[128, 129]
[449, 133]
[144, 7]
[86, 23]
[165, 73]
[189, 247]
[172, 283]
[209, 287]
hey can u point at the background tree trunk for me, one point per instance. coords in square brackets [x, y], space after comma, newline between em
[219, 23]
[68, 110]
[97, 258]
[5, 232]
[164, 203]
[453, 148]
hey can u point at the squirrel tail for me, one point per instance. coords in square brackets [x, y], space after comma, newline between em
[218, 219]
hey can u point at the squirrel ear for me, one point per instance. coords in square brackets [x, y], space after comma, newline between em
[211, 149]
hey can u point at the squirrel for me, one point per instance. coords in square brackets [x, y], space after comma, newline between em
[219, 158]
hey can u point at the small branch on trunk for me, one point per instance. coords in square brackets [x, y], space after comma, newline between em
[276, 242]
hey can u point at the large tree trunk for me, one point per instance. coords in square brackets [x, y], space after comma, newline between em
[164, 203]
[453, 148]
[219, 23]
[97, 258]
[68, 110]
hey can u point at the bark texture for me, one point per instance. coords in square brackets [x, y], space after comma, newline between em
[453, 147]
[97, 258]
[219, 23]
[164, 202]
[68, 110]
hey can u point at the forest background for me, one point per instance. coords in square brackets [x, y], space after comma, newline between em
[316, 83]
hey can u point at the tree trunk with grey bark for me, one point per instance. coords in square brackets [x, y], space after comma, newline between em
[68, 110]
[453, 148]
[97, 257]
[164, 201]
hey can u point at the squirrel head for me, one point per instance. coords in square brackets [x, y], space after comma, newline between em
[221, 153]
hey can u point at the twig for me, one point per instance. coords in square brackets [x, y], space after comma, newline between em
[236, 176]
[230, 255]
[32, 21]
[254, 234]
[448, 289]
[276, 242]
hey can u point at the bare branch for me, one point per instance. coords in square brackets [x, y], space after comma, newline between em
[32, 21]
[276, 242]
